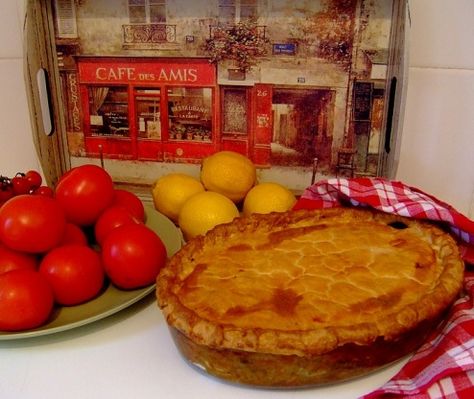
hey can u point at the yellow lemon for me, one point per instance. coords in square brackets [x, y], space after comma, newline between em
[203, 211]
[228, 173]
[268, 197]
[172, 190]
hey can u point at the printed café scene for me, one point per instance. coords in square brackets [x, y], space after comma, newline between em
[236, 199]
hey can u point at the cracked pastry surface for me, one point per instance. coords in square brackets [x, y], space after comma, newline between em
[307, 282]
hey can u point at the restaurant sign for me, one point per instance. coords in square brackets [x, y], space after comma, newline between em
[187, 72]
[190, 112]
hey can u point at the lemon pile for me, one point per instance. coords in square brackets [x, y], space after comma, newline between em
[227, 181]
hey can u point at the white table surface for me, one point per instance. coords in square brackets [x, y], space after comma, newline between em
[131, 355]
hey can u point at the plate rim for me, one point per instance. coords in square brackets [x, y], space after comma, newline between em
[44, 330]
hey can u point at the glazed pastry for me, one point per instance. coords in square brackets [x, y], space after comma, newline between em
[308, 297]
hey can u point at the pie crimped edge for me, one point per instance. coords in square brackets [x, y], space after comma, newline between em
[437, 253]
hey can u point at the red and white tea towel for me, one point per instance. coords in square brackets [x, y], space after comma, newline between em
[444, 366]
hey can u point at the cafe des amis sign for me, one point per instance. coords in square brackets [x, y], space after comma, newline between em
[147, 71]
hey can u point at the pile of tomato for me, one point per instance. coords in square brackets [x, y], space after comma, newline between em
[63, 246]
[23, 183]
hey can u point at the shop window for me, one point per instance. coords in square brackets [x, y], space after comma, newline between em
[108, 109]
[147, 105]
[234, 110]
[65, 19]
[147, 11]
[231, 11]
[190, 113]
[248, 9]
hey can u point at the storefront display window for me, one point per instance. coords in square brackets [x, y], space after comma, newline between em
[108, 109]
[190, 113]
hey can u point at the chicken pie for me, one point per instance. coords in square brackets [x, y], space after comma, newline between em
[308, 297]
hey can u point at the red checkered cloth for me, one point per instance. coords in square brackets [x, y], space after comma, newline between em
[444, 366]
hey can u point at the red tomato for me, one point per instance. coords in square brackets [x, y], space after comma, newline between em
[132, 256]
[111, 218]
[20, 185]
[74, 272]
[26, 300]
[31, 223]
[73, 234]
[34, 179]
[44, 190]
[11, 260]
[130, 201]
[84, 192]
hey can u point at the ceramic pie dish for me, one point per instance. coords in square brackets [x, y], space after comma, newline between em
[308, 297]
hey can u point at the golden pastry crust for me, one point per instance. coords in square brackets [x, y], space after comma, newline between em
[304, 283]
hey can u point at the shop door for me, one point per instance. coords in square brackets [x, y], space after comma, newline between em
[147, 118]
[236, 119]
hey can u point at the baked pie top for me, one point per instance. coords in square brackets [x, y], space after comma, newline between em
[306, 282]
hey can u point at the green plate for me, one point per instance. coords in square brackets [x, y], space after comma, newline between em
[112, 300]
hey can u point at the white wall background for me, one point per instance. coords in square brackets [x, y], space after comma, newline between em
[17, 151]
[437, 148]
[437, 152]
